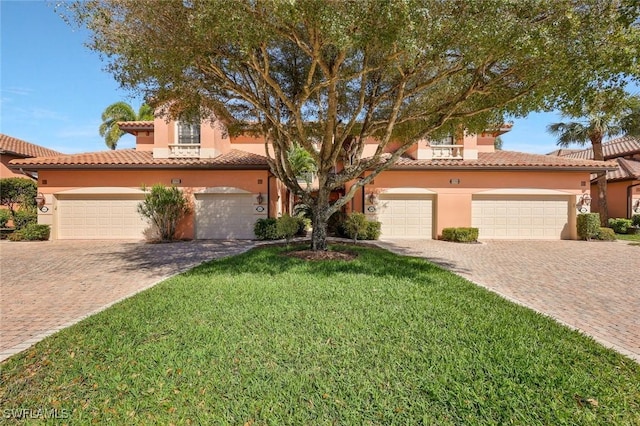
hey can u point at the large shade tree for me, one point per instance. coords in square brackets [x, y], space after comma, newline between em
[601, 114]
[118, 112]
[330, 75]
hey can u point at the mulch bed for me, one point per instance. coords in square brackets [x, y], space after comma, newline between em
[322, 255]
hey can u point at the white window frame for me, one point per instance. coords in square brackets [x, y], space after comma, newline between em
[194, 130]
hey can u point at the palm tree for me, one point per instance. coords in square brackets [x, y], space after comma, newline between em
[604, 115]
[121, 111]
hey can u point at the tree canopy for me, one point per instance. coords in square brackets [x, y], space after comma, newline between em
[330, 75]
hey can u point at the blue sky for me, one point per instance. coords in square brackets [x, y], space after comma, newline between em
[54, 89]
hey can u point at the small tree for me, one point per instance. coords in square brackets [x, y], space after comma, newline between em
[163, 207]
[287, 227]
[16, 192]
[356, 225]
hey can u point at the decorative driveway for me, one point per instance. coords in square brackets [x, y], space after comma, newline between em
[47, 286]
[590, 286]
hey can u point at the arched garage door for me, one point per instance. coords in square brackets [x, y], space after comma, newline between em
[406, 215]
[225, 216]
[521, 217]
[95, 216]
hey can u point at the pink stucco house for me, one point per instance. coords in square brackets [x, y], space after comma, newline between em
[459, 183]
[623, 183]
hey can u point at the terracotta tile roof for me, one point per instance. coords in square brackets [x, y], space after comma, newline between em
[506, 160]
[563, 151]
[627, 170]
[136, 126]
[130, 158]
[620, 147]
[15, 146]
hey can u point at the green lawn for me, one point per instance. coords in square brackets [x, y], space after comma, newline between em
[628, 237]
[262, 338]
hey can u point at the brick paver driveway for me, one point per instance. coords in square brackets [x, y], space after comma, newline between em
[591, 286]
[46, 286]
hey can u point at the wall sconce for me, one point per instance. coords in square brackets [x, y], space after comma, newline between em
[584, 203]
[260, 198]
[636, 207]
[40, 201]
[372, 197]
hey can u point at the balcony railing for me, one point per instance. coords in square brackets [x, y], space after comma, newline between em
[184, 150]
[453, 152]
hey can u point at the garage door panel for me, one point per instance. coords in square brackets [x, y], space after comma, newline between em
[100, 218]
[225, 216]
[520, 218]
[405, 216]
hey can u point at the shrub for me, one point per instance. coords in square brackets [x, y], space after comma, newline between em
[31, 232]
[335, 224]
[356, 225]
[164, 207]
[5, 215]
[373, 230]
[266, 229]
[24, 217]
[619, 225]
[588, 225]
[605, 234]
[287, 227]
[303, 225]
[460, 235]
[635, 220]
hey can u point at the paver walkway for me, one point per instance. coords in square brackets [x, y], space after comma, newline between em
[47, 286]
[590, 286]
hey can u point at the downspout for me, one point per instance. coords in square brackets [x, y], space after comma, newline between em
[363, 206]
[269, 194]
[630, 199]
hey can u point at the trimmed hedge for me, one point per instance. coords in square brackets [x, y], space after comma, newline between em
[635, 220]
[588, 225]
[31, 232]
[22, 218]
[460, 235]
[605, 234]
[619, 225]
[266, 229]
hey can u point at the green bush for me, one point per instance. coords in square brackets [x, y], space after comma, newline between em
[287, 227]
[303, 225]
[335, 224]
[460, 235]
[266, 229]
[635, 220]
[31, 232]
[164, 207]
[619, 225]
[18, 192]
[5, 215]
[605, 234]
[588, 225]
[24, 217]
[373, 230]
[356, 225]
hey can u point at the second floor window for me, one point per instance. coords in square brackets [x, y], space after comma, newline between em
[188, 133]
[448, 140]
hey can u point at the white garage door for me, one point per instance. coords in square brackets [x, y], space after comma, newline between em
[98, 217]
[224, 216]
[512, 217]
[405, 215]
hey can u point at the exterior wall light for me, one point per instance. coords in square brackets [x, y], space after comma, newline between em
[39, 199]
[260, 198]
[636, 207]
[584, 203]
[372, 197]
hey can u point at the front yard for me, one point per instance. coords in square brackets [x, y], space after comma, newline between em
[264, 338]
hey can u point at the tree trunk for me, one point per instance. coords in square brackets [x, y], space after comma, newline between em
[598, 155]
[319, 232]
[603, 209]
